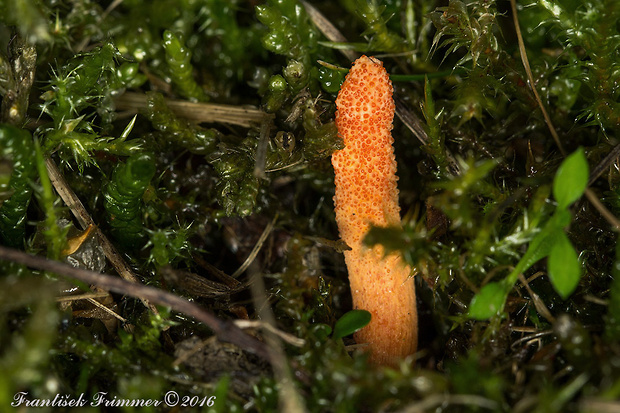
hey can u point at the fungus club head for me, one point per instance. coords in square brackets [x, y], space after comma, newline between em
[366, 194]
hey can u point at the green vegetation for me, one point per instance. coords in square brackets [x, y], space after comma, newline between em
[123, 198]
[17, 144]
[193, 131]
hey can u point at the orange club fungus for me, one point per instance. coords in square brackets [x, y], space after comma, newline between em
[367, 195]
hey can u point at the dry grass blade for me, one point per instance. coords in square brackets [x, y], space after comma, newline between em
[414, 124]
[411, 121]
[198, 112]
[530, 77]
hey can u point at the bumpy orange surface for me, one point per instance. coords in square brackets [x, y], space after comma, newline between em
[366, 193]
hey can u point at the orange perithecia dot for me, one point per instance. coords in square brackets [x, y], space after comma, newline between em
[366, 194]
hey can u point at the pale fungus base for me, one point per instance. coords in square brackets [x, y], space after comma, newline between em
[366, 194]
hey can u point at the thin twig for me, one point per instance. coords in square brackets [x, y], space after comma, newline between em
[540, 305]
[85, 220]
[604, 164]
[225, 330]
[256, 249]
[106, 309]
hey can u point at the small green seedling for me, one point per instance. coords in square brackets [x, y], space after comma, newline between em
[563, 266]
[351, 322]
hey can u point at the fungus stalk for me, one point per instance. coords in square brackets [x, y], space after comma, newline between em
[367, 195]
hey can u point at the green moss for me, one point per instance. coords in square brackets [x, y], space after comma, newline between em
[180, 67]
[17, 144]
[123, 199]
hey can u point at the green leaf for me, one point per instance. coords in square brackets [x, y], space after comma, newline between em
[571, 179]
[564, 267]
[489, 301]
[351, 322]
[541, 245]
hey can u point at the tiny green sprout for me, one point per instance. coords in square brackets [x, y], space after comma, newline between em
[351, 322]
[128, 129]
[489, 301]
[563, 267]
[168, 245]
